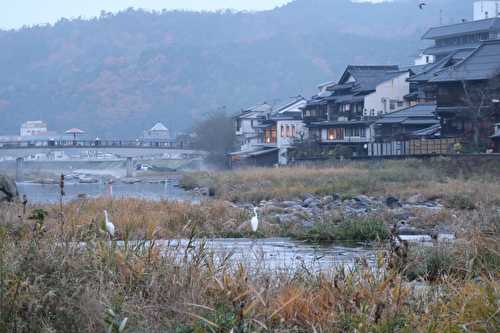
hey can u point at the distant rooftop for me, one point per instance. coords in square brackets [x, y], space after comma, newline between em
[492, 24]
[159, 127]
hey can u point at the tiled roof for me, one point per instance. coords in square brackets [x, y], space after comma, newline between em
[368, 77]
[463, 28]
[438, 50]
[433, 130]
[482, 64]
[417, 115]
[432, 70]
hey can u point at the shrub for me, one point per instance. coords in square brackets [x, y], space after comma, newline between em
[460, 201]
[356, 230]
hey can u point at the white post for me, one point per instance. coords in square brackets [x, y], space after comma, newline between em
[130, 167]
[19, 169]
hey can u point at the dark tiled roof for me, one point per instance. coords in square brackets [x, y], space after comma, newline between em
[368, 77]
[419, 114]
[434, 130]
[432, 70]
[482, 64]
[436, 50]
[463, 28]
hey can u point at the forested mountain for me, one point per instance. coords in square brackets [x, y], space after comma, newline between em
[119, 74]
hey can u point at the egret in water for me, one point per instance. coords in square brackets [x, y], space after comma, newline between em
[110, 227]
[255, 220]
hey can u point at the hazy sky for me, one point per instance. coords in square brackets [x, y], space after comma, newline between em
[16, 13]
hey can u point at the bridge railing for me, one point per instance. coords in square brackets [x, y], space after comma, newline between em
[94, 144]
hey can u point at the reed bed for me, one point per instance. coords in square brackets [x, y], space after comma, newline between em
[438, 178]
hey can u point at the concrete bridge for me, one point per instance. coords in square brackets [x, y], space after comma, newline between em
[128, 150]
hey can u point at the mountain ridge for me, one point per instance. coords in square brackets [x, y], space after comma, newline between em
[119, 74]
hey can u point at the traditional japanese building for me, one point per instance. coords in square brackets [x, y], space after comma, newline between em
[266, 134]
[343, 112]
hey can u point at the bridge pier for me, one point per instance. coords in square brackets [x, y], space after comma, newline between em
[19, 169]
[130, 167]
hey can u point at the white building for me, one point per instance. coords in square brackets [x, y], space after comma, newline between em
[486, 9]
[266, 135]
[33, 128]
[157, 132]
[248, 124]
[388, 96]
[424, 59]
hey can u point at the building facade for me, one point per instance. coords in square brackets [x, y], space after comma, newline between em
[343, 112]
[33, 128]
[158, 132]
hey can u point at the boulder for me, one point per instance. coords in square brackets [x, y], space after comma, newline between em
[393, 202]
[8, 189]
[363, 199]
[416, 199]
[311, 202]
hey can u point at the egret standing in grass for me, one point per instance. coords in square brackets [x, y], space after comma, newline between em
[255, 220]
[110, 227]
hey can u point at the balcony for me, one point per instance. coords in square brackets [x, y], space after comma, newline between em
[347, 140]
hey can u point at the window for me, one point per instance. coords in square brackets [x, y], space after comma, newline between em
[287, 131]
[282, 131]
[293, 130]
[270, 135]
[335, 134]
[392, 106]
[331, 134]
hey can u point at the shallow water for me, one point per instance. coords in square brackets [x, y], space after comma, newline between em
[43, 193]
[276, 254]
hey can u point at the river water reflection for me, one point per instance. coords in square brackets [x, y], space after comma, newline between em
[276, 254]
[49, 193]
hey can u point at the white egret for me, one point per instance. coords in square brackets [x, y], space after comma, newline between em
[255, 220]
[110, 227]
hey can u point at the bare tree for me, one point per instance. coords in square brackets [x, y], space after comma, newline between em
[216, 135]
[481, 100]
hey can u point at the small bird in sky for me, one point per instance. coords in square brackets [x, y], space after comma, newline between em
[422, 4]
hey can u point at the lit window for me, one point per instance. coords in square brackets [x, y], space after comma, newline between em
[331, 134]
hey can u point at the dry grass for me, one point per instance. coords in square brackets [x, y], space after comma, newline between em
[50, 282]
[49, 285]
[433, 179]
[142, 219]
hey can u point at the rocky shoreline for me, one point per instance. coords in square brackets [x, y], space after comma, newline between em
[414, 216]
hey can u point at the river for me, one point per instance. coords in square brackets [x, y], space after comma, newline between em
[49, 193]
